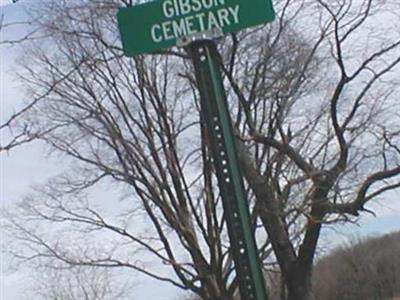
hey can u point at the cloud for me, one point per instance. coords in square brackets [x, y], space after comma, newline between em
[5, 2]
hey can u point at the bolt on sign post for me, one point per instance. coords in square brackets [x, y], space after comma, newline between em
[193, 24]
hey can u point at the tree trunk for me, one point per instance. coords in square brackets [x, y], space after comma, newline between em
[299, 286]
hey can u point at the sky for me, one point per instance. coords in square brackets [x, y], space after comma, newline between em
[30, 165]
[5, 2]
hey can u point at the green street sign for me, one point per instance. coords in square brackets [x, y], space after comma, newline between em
[157, 25]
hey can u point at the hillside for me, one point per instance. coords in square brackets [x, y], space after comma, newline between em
[368, 269]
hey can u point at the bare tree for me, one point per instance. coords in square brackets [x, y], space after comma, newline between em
[313, 102]
[343, 153]
[70, 283]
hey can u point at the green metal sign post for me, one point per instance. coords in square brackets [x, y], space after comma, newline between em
[194, 24]
[217, 120]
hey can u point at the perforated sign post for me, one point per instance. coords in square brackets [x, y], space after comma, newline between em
[157, 25]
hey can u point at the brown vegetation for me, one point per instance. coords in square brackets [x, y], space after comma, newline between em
[369, 269]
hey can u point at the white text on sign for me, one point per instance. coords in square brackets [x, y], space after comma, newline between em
[190, 23]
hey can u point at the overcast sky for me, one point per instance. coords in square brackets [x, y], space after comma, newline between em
[29, 166]
[5, 2]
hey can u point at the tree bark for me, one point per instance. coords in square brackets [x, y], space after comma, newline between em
[299, 285]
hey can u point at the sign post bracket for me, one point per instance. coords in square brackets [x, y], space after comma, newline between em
[208, 35]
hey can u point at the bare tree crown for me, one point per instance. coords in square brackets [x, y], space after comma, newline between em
[313, 99]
